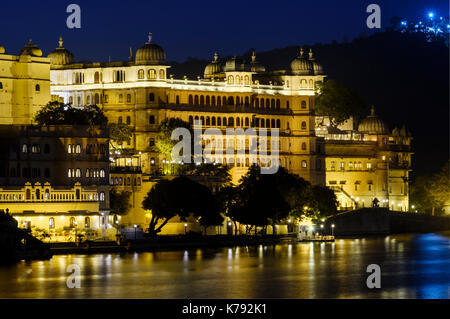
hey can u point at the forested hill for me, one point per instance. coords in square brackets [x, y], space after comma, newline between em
[405, 77]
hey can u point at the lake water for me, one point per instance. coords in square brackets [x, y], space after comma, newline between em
[412, 266]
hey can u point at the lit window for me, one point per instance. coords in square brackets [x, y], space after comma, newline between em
[304, 164]
[151, 74]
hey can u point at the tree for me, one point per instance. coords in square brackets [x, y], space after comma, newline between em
[337, 101]
[119, 202]
[180, 197]
[56, 113]
[260, 201]
[430, 194]
[164, 143]
[119, 133]
[324, 202]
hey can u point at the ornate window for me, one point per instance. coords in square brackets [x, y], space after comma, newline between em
[141, 74]
[152, 74]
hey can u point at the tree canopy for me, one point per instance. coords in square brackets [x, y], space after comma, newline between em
[430, 193]
[164, 143]
[119, 133]
[180, 197]
[119, 201]
[337, 101]
[56, 113]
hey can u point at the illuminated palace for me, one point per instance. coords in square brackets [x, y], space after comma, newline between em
[361, 163]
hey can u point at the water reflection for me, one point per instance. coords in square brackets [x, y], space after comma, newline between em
[413, 266]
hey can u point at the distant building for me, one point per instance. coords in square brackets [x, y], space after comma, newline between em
[368, 166]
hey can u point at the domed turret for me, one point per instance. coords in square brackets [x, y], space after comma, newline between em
[255, 65]
[372, 124]
[214, 67]
[2, 50]
[31, 49]
[150, 53]
[301, 66]
[61, 56]
[317, 68]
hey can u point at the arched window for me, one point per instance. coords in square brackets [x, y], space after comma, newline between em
[267, 103]
[88, 100]
[272, 123]
[303, 125]
[230, 100]
[213, 101]
[230, 79]
[128, 120]
[141, 74]
[238, 79]
[191, 120]
[152, 74]
[77, 194]
[96, 77]
[267, 123]
[247, 101]
[247, 80]
[287, 105]
[303, 146]
[311, 84]
[208, 121]
[78, 149]
[247, 122]
[278, 104]
[202, 100]
[304, 164]
[191, 100]
[303, 105]
[120, 98]
[230, 121]
[224, 122]
[128, 98]
[38, 194]
[278, 124]
[51, 223]
[151, 120]
[120, 120]
[78, 173]
[208, 100]
[238, 121]
[219, 121]
[151, 97]
[162, 74]
[38, 88]
[213, 121]
[102, 173]
[196, 100]
[257, 103]
[97, 98]
[1, 85]
[24, 148]
[219, 101]
[303, 83]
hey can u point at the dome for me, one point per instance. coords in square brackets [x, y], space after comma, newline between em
[317, 67]
[2, 50]
[31, 49]
[255, 65]
[301, 66]
[213, 67]
[373, 124]
[150, 53]
[61, 56]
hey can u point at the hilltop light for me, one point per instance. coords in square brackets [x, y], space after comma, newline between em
[431, 15]
[403, 22]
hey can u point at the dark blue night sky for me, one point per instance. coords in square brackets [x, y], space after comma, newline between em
[194, 28]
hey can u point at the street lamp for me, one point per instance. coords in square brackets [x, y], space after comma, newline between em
[321, 229]
[185, 229]
[135, 232]
[332, 230]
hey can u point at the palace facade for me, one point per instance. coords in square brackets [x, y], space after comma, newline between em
[366, 164]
